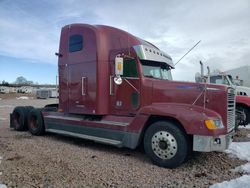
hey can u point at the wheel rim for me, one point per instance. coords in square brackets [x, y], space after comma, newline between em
[33, 122]
[164, 145]
[17, 120]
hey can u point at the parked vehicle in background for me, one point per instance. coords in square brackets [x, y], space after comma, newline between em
[223, 78]
[240, 75]
[242, 103]
[4, 89]
[25, 89]
[46, 93]
[117, 89]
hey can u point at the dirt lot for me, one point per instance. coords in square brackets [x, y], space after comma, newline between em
[58, 161]
[16, 95]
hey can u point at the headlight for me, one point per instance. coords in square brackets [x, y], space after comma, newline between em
[214, 124]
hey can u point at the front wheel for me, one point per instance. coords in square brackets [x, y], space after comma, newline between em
[166, 144]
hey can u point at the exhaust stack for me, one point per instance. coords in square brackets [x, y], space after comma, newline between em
[202, 70]
[208, 74]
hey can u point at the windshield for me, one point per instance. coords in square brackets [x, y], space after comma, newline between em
[156, 70]
[219, 80]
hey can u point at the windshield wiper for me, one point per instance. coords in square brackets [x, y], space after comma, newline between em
[150, 76]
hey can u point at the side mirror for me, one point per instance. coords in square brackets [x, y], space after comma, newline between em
[58, 54]
[118, 80]
[118, 70]
[119, 66]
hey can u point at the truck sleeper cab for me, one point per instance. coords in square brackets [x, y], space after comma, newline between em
[117, 89]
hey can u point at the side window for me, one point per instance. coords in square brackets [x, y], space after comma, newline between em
[129, 68]
[75, 43]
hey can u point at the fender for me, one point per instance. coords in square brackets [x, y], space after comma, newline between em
[243, 100]
[191, 117]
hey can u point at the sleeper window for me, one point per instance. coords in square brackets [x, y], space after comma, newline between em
[75, 43]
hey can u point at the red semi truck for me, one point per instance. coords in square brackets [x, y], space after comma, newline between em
[117, 89]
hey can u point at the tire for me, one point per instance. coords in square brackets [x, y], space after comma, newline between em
[28, 109]
[247, 116]
[35, 122]
[247, 113]
[166, 144]
[19, 118]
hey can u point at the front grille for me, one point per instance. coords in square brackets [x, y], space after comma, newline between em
[230, 109]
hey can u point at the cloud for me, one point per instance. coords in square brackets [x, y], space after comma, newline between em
[31, 29]
[26, 36]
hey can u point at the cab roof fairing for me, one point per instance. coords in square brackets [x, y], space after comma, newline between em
[148, 53]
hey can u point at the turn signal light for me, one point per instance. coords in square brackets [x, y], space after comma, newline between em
[210, 124]
[213, 124]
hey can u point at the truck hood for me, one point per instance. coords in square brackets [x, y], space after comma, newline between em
[187, 92]
[192, 93]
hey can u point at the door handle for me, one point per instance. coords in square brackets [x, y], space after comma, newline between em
[111, 85]
[84, 86]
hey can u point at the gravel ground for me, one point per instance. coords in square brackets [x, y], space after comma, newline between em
[58, 161]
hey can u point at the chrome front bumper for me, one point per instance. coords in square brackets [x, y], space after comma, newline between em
[212, 143]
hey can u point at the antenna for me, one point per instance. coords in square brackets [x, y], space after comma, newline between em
[128, 41]
[187, 52]
[202, 69]
[128, 47]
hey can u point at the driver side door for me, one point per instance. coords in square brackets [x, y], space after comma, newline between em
[125, 98]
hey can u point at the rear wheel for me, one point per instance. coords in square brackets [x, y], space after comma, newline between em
[28, 109]
[19, 118]
[35, 122]
[166, 144]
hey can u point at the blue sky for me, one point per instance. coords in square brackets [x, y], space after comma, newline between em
[41, 72]
[30, 31]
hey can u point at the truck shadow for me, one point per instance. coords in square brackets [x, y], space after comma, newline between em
[138, 154]
[84, 143]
